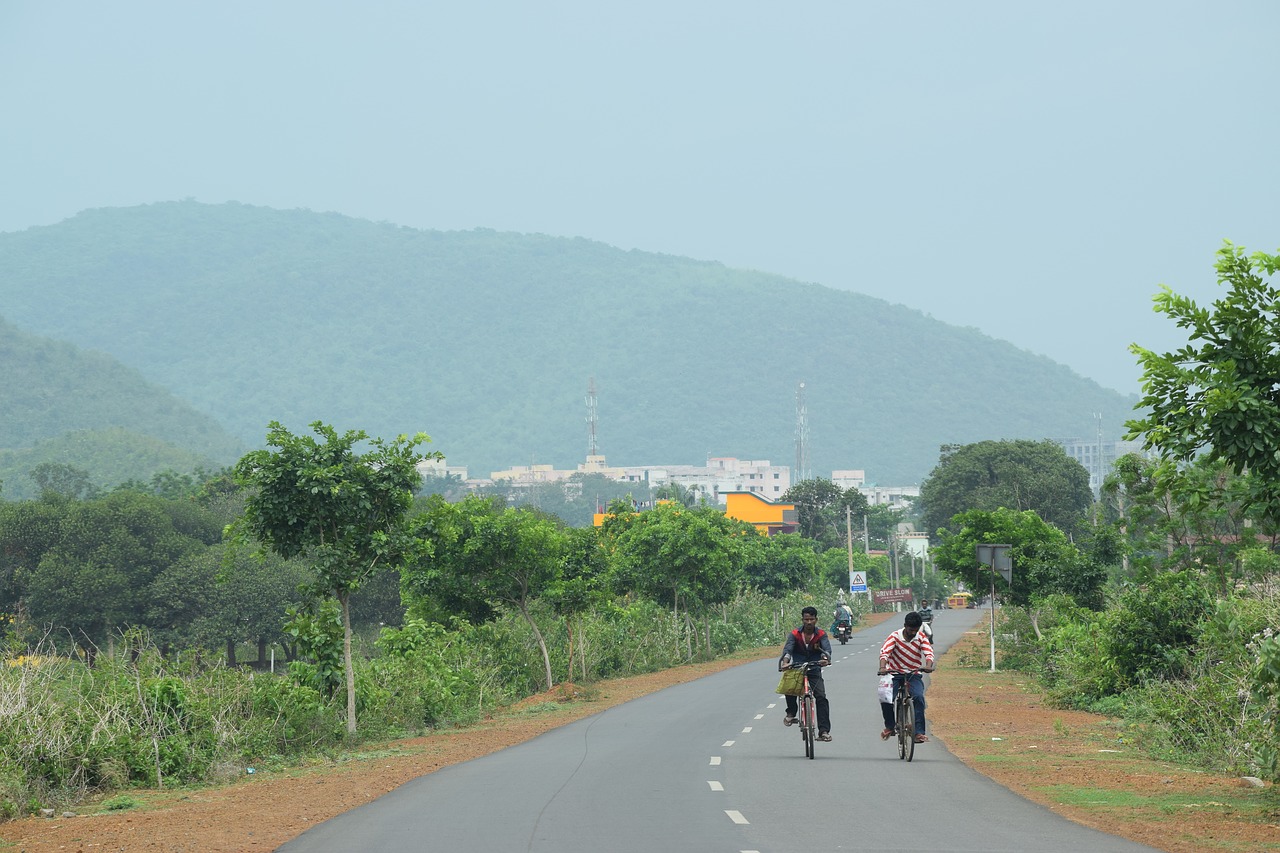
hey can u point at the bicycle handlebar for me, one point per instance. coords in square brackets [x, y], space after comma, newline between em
[805, 665]
[909, 672]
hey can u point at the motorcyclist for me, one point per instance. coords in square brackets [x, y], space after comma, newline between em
[843, 615]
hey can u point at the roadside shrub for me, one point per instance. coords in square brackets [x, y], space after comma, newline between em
[1153, 628]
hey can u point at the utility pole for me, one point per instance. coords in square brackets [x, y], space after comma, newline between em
[848, 536]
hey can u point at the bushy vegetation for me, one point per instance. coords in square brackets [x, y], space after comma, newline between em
[137, 718]
[1194, 680]
[125, 610]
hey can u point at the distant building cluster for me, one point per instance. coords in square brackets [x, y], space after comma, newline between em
[720, 477]
[725, 474]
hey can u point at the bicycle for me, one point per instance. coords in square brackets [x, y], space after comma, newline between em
[807, 716]
[904, 713]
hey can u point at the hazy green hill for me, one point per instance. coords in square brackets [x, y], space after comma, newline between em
[109, 456]
[486, 340]
[85, 409]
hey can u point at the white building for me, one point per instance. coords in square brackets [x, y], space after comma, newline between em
[1099, 457]
[721, 474]
[440, 468]
[893, 496]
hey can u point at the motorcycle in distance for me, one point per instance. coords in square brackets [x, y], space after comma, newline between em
[843, 631]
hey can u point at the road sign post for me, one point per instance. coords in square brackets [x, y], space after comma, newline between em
[998, 558]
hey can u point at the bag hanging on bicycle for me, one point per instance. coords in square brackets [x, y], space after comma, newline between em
[885, 689]
[791, 683]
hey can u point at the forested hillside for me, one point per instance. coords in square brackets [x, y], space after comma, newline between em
[487, 341]
[66, 406]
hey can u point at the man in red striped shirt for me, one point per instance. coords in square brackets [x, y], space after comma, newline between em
[905, 655]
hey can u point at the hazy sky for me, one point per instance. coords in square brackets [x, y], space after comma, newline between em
[1035, 170]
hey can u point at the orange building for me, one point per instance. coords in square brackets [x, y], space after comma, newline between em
[768, 517]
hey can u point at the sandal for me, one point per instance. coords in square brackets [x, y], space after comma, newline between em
[788, 720]
[824, 736]
[886, 734]
[922, 738]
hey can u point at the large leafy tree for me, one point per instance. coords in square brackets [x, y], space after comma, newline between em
[28, 530]
[1167, 516]
[1019, 475]
[97, 578]
[222, 597]
[782, 563]
[1044, 560]
[582, 585]
[500, 556]
[689, 559]
[344, 511]
[824, 510]
[1219, 394]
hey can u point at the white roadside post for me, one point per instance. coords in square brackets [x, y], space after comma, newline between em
[997, 557]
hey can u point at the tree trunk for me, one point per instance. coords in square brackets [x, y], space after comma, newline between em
[568, 627]
[542, 643]
[344, 598]
[231, 653]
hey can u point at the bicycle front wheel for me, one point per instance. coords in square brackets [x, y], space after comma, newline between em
[807, 725]
[906, 726]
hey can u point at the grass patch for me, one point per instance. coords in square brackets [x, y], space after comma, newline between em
[120, 803]
[1247, 804]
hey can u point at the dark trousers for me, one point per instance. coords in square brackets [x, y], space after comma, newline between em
[820, 702]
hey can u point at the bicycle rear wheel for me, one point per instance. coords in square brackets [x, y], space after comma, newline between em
[906, 725]
[807, 724]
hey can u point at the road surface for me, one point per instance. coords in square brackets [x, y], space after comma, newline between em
[708, 766]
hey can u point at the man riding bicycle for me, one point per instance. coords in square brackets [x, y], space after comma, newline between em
[809, 644]
[906, 653]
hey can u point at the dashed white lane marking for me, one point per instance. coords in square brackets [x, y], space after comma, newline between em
[715, 786]
[727, 743]
[736, 816]
[715, 761]
[746, 729]
[759, 716]
[772, 705]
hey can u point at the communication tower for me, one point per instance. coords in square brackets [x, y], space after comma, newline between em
[592, 419]
[803, 471]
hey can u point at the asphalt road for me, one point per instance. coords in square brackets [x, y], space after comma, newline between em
[708, 766]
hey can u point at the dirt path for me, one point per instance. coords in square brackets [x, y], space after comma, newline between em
[992, 722]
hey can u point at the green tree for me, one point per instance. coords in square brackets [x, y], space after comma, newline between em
[1019, 475]
[821, 511]
[1218, 395]
[28, 530]
[220, 596]
[782, 563]
[97, 578]
[882, 525]
[345, 512]
[686, 558]
[62, 479]
[499, 556]
[1154, 627]
[1170, 516]
[582, 585]
[1044, 561]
